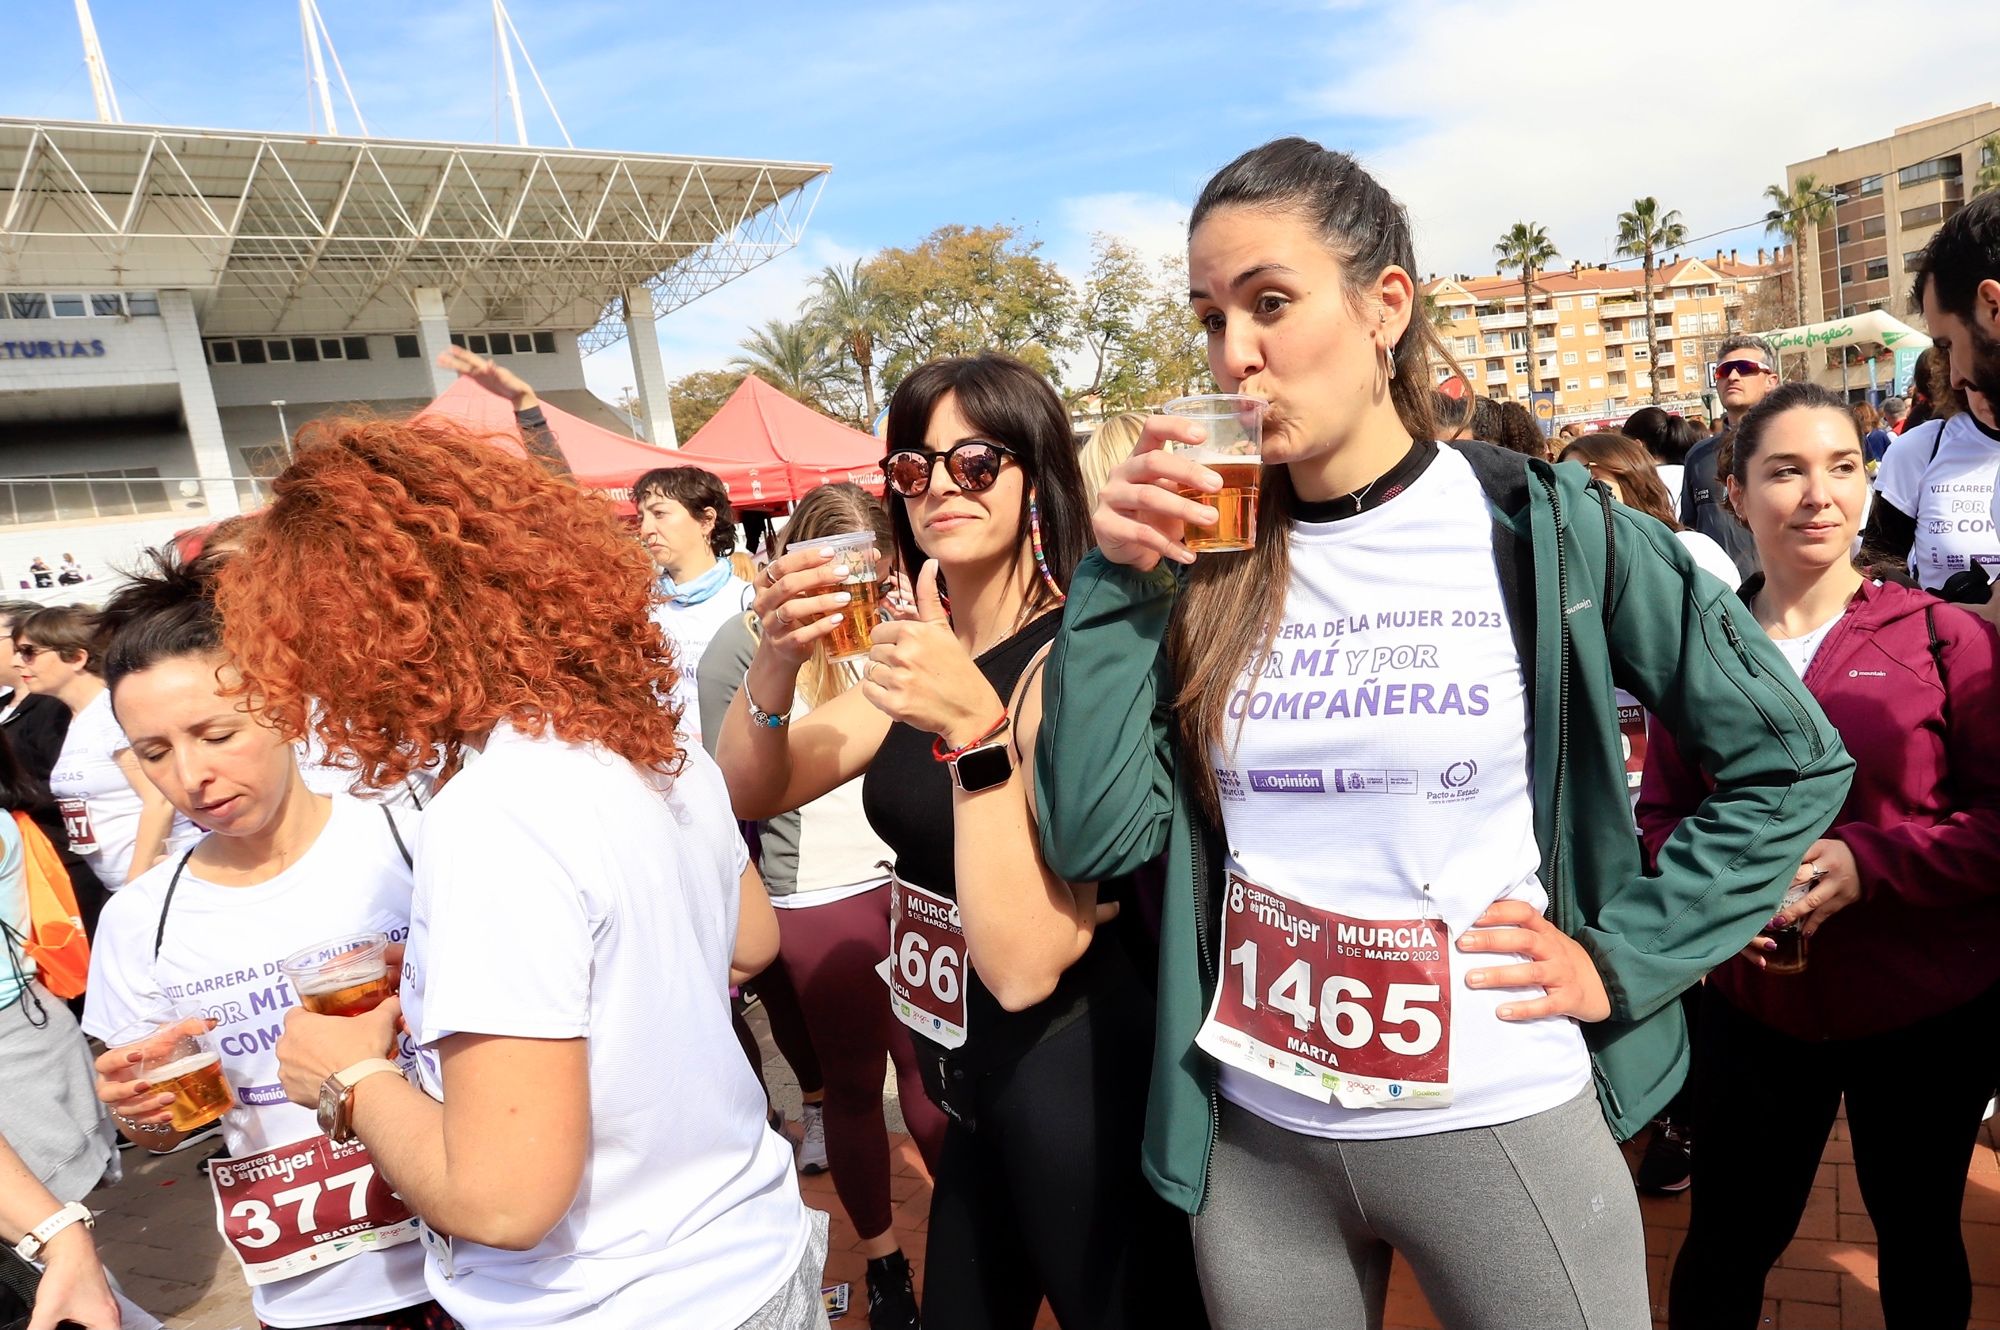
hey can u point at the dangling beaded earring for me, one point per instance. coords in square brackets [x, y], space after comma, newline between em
[1041, 559]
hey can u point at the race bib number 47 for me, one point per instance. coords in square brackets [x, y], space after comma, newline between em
[76, 825]
[305, 1206]
[1354, 1010]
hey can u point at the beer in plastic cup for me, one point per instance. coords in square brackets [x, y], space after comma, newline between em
[854, 560]
[1790, 956]
[1233, 450]
[177, 1055]
[343, 976]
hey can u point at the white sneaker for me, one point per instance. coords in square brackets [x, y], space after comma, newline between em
[812, 1145]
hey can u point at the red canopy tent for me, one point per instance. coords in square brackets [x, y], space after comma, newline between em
[788, 446]
[601, 459]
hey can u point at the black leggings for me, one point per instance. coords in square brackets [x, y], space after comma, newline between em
[1044, 1198]
[1764, 1105]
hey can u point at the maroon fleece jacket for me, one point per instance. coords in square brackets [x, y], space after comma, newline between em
[1922, 818]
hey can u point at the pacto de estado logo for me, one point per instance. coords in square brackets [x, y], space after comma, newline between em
[1458, 775]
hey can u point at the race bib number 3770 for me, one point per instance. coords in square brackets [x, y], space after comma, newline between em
[1335, 1008]
[305, 1206]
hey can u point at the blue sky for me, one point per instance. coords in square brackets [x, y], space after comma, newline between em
[1069, 118]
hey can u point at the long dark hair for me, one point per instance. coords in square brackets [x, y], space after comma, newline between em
[1009, 403]
[1231, 606]
[1631, 465]
[1666, 437]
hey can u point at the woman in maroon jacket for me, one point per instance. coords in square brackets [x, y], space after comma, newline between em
[1897, 1005]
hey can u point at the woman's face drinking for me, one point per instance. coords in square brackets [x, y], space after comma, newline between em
[1282, 326]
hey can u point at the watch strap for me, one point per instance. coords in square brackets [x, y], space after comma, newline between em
[38, 1237]
[352, 1076]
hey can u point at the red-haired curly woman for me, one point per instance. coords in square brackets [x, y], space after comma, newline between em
[582, 1137]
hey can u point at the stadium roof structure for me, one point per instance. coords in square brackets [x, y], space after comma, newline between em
[279, 233]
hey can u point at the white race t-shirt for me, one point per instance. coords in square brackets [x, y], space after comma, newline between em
[1950, 495]
[99, 806]
[691, 628]
[219, 955]
[1384, 748]
[561, 894]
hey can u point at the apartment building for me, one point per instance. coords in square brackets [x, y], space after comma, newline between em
[1892, 195]
[1589, 344]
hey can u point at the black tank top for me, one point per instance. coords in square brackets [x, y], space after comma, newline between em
[907, 796]
[907, 791]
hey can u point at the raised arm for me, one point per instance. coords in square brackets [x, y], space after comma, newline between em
[536, 436]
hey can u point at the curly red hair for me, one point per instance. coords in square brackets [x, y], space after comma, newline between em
[410, 583]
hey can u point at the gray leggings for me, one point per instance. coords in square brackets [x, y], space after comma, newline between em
[1528, 1224]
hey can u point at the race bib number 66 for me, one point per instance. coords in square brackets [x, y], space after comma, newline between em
[1334, 1008]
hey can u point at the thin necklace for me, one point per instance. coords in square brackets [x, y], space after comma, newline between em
[1358, 495]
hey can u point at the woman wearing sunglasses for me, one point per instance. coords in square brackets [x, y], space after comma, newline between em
[113, 818]
[1031, 1017]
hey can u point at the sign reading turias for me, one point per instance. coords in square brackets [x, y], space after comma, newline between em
[52, 350]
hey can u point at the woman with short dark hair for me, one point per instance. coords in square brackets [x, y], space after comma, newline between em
[689, 529]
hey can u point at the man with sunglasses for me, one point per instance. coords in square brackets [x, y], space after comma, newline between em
[1746, 369]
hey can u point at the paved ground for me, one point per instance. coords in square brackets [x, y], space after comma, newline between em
[158, 1234]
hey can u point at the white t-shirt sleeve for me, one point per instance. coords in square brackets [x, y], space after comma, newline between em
[1899, 478]
[510, 935]
[123, 987]
[1710, 557]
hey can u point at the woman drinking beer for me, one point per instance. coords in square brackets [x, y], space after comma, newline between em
[1412, 983]
[581, 1135]
[1030, 1014]
[200, 939]
[1886, 955]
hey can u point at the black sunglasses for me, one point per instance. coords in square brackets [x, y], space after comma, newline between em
[974, 466]
[1742, 369]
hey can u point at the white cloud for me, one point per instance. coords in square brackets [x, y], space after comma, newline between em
[1564, 111]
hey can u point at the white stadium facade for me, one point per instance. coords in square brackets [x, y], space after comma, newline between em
[173, 301]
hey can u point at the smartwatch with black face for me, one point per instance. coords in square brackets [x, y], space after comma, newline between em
[983, 767]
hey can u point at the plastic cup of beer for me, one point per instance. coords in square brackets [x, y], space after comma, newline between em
[178, 1055]
[342, 976]
[1233, 450]
[854, 560]
[1790, 955]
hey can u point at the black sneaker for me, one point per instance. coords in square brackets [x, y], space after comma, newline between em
[1668, 1165]
[892, 1298]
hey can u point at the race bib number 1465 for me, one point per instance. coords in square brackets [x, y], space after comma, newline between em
[1335, 1008]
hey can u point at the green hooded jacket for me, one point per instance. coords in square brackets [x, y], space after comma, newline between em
[1599, 595]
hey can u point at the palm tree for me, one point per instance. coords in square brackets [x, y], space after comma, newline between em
[1526, 246]
[1989, 166]
[1643, 231]
[845, 307]
[1796, 214]
[794, 358]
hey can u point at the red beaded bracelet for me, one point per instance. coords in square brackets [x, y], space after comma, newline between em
[942, 754]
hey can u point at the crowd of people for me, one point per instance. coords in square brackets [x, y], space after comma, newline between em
[1231, 923]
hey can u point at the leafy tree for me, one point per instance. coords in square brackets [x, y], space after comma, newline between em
[1525, 246]
[967, 289]
[1797, 214]
[1109, 311]
[1989, 166]
[695, 398]
[1643, 231]
[846, 309]
[794, 358]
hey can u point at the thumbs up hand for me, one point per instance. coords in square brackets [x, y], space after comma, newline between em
[920, 673]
